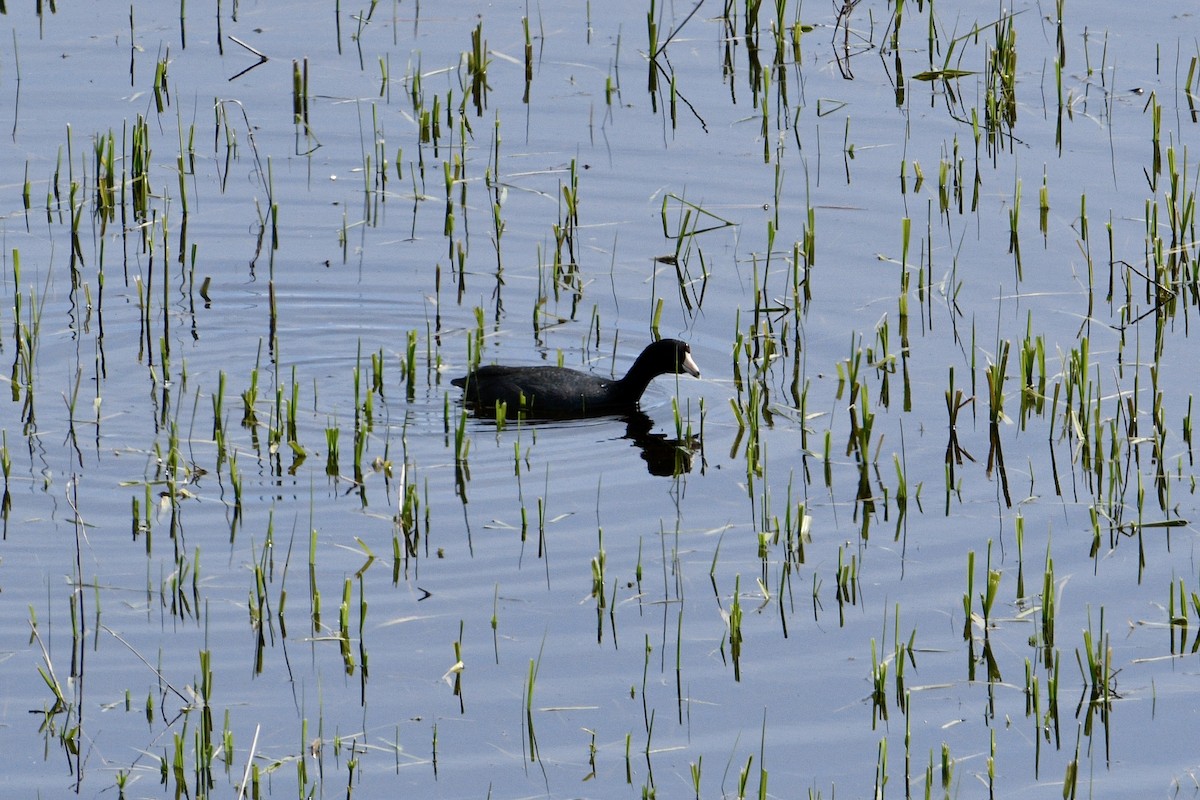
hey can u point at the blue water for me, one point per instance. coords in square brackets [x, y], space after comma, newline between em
[507, 547]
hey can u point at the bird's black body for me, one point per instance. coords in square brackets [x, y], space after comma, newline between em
[548, 392]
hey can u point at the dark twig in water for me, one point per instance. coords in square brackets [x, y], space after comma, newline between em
[675, 32]
[262, 58]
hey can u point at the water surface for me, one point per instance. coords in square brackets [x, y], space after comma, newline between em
[224, 608]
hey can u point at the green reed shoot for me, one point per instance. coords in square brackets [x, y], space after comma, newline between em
[1180, 200]
[744, 776]
[300, 92]
[1177, 616]
[947, 771]
[879, 671]
[235, 480]
[988, 598]
[901, 486]
[847, 583]
[652, 49]
[410, 508]
[477, 66]
[968, 595]
[410, 366]
[1032, 357]
[461, 443]
[361, 433]
[599, 561]
[881, 776]
[162, 97]
[735, 629]
[1043, 205]
[139, 170]
[1071, 773]
[1014, 221]
[331, 450]
[531, 681]
[26, 189]
[1048, 607]
[48, 675]
[1098, 673]
[205, 746]
[1000, 103]
[344, 626]
[996, 375]
[106, 179]
[1155, 139]
[249, 399]
[849, 375]
[5, 458]
[528, 59]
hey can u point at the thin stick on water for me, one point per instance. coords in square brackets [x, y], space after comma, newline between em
[249, 761]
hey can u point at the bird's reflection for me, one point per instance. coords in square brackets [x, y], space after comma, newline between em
[665, 456]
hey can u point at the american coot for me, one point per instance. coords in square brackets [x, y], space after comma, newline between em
[547, 392]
